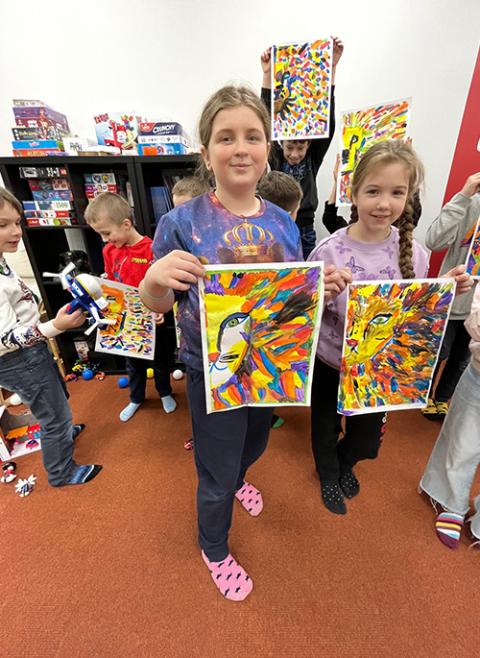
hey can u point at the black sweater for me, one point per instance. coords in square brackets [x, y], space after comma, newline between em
[305, 172]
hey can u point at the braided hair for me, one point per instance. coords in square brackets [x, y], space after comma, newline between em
[388, 152]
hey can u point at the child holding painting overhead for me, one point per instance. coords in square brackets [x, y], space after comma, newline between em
[384, 183]
[302, 158]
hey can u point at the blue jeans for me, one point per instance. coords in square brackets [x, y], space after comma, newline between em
[33, 374]
[309, 239]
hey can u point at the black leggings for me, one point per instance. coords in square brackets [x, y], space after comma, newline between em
[455, 350]
[363, 433]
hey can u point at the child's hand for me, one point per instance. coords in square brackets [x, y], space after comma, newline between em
[338, 48]
[266, 61]
[472, 185]
[335, 281]
[64, 320]
[177, 270]
[159, 318]
[464, 281]
[336, 168]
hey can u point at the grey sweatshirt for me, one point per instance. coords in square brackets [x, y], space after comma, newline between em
[454, 229]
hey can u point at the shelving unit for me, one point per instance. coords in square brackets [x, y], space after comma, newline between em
[44, 244]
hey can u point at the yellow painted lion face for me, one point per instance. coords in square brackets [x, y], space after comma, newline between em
[372, 327]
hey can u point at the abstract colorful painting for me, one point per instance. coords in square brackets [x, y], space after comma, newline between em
[473, 258]
[133, 333]
[361, 129]
[260, 327]
[301, 84]
[393, 334]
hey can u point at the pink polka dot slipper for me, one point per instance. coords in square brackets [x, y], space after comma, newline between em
[250, 498]
[230, 578]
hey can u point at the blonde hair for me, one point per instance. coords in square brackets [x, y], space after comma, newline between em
[228, 97]
[191, 186]
[7, 197]
[110, 206]
[385, 153]
[281, 189]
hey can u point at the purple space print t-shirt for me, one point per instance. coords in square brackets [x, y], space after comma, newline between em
[206, 229]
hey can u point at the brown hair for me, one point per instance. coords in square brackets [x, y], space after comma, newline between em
[110, 206]
[190, 186]
[281, 189]
[225, 98]
[384, 153]
[7, 197]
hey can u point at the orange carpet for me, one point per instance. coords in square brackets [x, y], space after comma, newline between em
[112, 569]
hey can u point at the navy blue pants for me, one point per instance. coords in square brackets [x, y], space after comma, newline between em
[225, 444]
[309, 239]
[33, 374]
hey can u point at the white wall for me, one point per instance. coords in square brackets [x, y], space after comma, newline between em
[163, 58]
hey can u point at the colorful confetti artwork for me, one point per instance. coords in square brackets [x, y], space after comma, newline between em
[133, 333]
[301, 83]
[393, 334]
[260, 327]
[361, 129]
[473, 258]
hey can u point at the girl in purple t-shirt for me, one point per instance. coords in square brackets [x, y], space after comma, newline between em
[384, 184]
[229, 225]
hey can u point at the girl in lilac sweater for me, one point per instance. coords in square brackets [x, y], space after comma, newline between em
[384, 184]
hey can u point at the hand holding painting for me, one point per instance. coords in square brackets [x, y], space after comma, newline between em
[335, 281]
[178, 270]
[266, 62]
[462, 278]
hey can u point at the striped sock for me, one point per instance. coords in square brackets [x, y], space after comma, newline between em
[449, 527]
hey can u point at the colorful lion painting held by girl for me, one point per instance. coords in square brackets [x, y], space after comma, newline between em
[393, 333]
[260, 328]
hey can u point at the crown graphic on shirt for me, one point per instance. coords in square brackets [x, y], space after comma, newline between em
[248, 239]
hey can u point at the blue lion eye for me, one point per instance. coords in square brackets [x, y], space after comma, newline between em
[233, 322]
[382, 318]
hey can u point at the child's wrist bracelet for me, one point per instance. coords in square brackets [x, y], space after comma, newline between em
[154, 297]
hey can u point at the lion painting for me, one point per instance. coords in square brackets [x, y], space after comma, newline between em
[393, 335]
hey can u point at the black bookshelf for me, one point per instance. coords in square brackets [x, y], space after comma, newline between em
[151, 171]
[44, 244]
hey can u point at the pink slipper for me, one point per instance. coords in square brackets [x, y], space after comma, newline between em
[251, 499]
[231, 579]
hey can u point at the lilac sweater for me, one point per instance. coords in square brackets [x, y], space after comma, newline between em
[366, 261]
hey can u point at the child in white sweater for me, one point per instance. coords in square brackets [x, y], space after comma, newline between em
[26, 365]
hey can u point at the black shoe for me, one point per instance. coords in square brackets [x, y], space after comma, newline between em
[349, 483]
[332, 497]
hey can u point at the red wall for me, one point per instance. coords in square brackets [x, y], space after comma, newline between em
[466, 159]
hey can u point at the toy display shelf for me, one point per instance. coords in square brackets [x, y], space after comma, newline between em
[44, 244]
